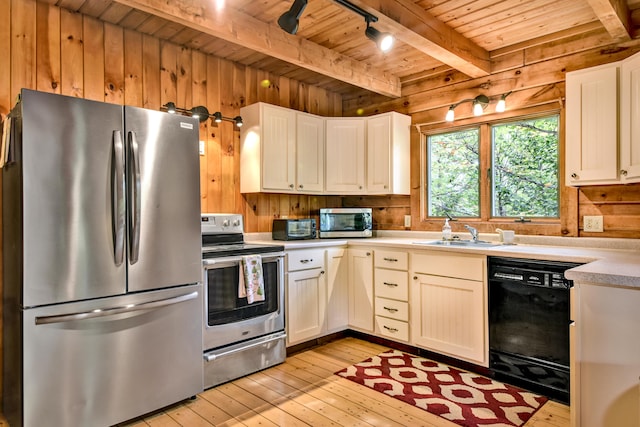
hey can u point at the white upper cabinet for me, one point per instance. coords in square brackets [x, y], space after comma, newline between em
[288, 151]
[282, 150]
[388, 154]
[345, 155]
[603, 124]
[592, 125]
[630, 120]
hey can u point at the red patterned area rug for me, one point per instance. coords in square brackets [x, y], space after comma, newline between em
[462, 397]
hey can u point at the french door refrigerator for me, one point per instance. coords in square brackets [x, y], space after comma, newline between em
[102, 262]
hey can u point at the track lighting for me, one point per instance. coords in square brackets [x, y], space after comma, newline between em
[201, 113]
[383, 40]
[479, 104]
[289, 20]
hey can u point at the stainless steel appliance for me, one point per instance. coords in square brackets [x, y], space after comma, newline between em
[293, 229]
[345, 222]
[529, 323]
[239, 337]
[102, 292]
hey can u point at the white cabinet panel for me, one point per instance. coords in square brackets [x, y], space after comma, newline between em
[345, 155]
[337, 290]
[306, 304]
[630, 120]
[361, 289]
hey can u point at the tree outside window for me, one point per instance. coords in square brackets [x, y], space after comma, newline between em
[522, 164]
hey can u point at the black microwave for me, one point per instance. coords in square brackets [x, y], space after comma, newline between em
[345, 222]
[294, 229]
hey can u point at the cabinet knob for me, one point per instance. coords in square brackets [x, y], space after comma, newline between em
[300, 186]
[623, 172]
[574, 175]
[360, 187]
[368, 253]
[415, 277]
[322, 272]
[290, 185]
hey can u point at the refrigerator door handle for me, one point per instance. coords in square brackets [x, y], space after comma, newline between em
[134, 199]
[118, 198]
[103, 312]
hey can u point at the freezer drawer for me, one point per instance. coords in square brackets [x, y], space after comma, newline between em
[105, 361]
[235, 361]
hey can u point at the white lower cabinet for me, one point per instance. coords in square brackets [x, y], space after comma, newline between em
[337, 290]
[391, 287]
[448, 313]
[605, 373]
[306, 295]
[361, 289]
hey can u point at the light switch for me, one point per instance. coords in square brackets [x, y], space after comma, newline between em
[407, 220]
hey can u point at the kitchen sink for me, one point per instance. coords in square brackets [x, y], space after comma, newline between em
[458, 243]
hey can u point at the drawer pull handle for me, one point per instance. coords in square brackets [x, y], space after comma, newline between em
[304, 261]
[390, 284]
[390, 329]
[390, 259]
[390, 309]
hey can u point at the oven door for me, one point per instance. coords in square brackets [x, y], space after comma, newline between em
[230, 319]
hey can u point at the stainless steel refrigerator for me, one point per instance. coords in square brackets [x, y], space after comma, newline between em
[101, 261]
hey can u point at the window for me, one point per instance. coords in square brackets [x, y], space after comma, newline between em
[521, 163]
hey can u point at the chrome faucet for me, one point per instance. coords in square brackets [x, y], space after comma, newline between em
[473, 231]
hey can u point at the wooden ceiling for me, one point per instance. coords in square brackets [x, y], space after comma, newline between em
[331, 51]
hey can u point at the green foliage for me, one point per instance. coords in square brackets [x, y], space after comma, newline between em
[524, 172]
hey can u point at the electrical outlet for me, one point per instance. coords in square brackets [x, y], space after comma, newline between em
[201, 146]
[407, 220]
[593, 223]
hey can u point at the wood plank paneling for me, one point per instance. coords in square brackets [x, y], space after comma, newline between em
[133, 69]
[113, 85]
[47, 48]
[71, 52]
[93, 55]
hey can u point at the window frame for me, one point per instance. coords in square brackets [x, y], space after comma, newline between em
[486, 222]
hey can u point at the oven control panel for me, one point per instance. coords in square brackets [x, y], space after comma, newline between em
[221, 223]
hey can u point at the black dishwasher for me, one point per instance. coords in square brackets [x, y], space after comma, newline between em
[529, 324]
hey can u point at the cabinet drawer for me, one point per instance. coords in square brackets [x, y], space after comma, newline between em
[398, 310]
[303, 260]
[461, 266]
[391, 284]
[392, 328]
[391, 259]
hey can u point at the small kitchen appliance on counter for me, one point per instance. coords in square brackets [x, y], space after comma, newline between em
[345, 222]
[240, 336]
[294, 229]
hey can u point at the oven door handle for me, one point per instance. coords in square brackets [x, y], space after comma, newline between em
[213, 355]
[214, 262]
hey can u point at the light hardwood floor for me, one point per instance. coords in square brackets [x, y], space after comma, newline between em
[303, 391]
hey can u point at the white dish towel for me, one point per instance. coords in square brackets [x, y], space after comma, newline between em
[251, 281]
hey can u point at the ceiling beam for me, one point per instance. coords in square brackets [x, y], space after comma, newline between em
[236, 27]
[416, 27]
[614, 15]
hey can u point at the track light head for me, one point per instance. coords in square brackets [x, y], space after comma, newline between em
[289, 20]
[171, 107]
[217, 117]
[238, 121]
[201, 113]
[383, 40]
[451, 115]
[479, 104]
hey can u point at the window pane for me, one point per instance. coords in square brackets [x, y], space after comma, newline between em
[453, 171]
[525, 168]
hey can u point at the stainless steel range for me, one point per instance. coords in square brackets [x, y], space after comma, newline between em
[239, 337]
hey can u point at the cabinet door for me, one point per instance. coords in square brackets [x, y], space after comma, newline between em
[306, 304]
[278, 148]
[310, 153]
[361, 289]
[592, 125]
[337, 290]
[630, 120]
[379, 154]
[448, 316]
[345, 156]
